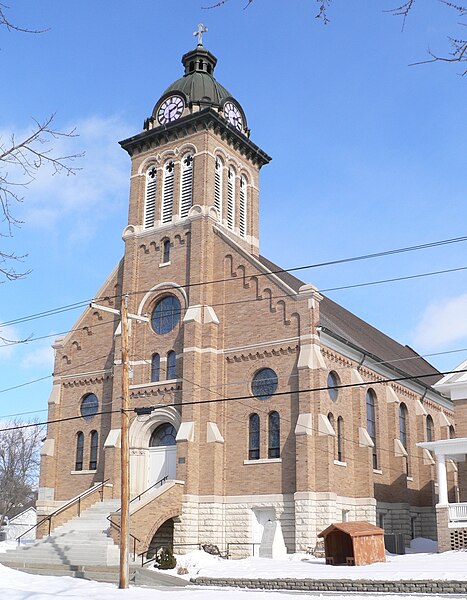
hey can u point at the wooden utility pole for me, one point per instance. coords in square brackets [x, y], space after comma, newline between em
[124, 454]
[124, 444]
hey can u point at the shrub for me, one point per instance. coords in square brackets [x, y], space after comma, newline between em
[165, 559]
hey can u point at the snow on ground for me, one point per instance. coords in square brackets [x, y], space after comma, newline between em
[421, 562]
[21, 586]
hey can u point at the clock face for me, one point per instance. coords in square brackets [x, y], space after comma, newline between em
[170, 110]
[233, 115]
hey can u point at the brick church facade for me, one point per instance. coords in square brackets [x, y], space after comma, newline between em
[253, 396]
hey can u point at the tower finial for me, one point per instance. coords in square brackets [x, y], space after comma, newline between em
[199, 32]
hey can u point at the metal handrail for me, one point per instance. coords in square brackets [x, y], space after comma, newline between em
[160, 482]
[76, 499]
[117, 527]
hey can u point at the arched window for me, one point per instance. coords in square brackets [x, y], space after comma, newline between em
[403, 424]
[274, 435]
[164, 435]
[93, 450]
[253, 437]
[218, 182]
[333, 382]
[452, 432]
[166, 314]
[166, 251]
[171, 358]
[186, 186]
[430, 429]
[371, 423]
[155, 367]
[340, 439]
[150, 199]
[403, 431]
[231, 198]
[168, 191]
[79, 451]
[243, 206]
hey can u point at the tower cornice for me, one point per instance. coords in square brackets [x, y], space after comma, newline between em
[206, 119]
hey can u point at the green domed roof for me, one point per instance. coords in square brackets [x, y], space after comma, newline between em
[198, 86]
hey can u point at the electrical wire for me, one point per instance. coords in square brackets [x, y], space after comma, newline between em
[405, 249]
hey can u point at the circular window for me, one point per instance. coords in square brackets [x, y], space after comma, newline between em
[89, 406]
[264, 384]
[333, 382]
[164, 435]
[166, 314]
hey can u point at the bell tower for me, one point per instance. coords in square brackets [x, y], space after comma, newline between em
[194, 156]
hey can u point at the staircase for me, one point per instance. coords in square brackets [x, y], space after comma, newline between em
[80, 547]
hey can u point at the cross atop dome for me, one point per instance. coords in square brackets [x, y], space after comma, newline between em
[199, 32]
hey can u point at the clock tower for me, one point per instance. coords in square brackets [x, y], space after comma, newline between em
[195, 157]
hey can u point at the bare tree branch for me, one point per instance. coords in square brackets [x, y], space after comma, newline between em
[20, 161]
[5, 21]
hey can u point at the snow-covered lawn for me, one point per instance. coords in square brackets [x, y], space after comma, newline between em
[421, 562]
[15, 585]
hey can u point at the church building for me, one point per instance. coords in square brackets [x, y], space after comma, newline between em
[253, 397]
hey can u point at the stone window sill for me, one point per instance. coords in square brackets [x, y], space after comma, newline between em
[166, 264]
[409, 478]
[377, 471]
[83, 472]
[262, 461]
[340, 463]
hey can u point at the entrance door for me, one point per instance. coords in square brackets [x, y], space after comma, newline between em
[162, 454]
[260, 517]
[162, 463]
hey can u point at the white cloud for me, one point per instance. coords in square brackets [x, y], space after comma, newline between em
[98, 188]
[40, 356]
[442, 323]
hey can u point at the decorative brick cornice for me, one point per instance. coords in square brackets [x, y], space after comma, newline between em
[86, 381]
[247, 356]
[204, 120]
[155, 391]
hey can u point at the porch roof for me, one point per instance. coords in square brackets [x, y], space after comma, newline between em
[455, 449]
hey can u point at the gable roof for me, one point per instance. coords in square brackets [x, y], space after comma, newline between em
[341, 323]
[353, 528]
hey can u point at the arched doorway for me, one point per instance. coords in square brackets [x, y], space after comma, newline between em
[162, 453]
[163, 538]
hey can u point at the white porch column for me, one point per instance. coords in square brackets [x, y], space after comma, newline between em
[442, 480]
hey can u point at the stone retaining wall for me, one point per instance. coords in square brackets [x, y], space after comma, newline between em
[339, 585]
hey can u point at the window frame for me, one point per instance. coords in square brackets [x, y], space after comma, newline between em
[254, 437]
[93, 450]
[79, 454]
[175, 314]
[274, 435]
[372, 419]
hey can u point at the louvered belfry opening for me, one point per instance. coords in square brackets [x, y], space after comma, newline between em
[186, 186]
[168, 191]
[231, 199]
[150, 200]
[242, 216]
[218, 187]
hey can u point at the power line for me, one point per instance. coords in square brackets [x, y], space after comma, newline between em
[405, 249]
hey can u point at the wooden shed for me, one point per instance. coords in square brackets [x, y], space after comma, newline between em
[354, 543]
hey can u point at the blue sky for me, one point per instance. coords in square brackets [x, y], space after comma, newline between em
[368, 154]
